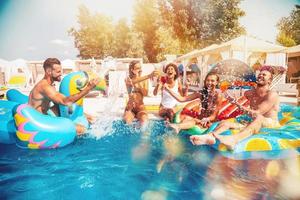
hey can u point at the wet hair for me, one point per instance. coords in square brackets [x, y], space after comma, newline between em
[211, 74]
[49, 62]
[131, 66]
[269, 69]
[204, 91]
[174, 66]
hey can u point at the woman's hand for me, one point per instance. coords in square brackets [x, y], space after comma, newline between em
[155, 73]
[205, 122]
[187, 83]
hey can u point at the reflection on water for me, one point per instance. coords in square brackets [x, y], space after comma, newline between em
[125, 163]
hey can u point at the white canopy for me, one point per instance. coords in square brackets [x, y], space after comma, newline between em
[246, 48]
[294, 49]
[243, 44]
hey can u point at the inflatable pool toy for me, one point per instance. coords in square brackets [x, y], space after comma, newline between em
[101, 86]
[16, 96]
[195, 130]
[28, 128]
[230, 110]
[268, 143]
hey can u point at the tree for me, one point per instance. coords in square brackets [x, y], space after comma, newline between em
[168, 43]
[200, 23]
[221, 21]
[289, 28]
[179, 15]
[121, 39]
[158, 27]
[146, 22]
[94, 36]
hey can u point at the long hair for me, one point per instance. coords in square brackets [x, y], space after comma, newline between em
[204, 91]
[131, 66]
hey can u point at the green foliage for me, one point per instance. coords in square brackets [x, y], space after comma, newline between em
[285, 40]
[168, 43]
[94, 37]
[146, 21]
[222, 21]
[200, 23]
[159, 27]
[289, 28]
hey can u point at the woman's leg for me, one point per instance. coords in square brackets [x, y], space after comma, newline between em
[128, 116]
[187, 123]
[209, 139]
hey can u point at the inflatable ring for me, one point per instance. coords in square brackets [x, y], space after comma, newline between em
[38, 131]
[195, 130]
[28, 128]
[269, 143]
[229, 110]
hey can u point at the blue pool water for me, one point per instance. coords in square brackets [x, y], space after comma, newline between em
[125, 164]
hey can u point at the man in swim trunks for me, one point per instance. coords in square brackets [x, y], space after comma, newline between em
[264, 107]
[44, 91]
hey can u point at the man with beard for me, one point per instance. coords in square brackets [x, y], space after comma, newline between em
[264, 107]
[44, 91]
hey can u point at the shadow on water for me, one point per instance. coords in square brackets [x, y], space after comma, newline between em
[154, 164]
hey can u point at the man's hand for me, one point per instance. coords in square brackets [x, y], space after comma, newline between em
[93, 82]
[229, 98]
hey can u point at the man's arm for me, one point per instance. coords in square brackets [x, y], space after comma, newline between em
[263, 107]
[59, 98]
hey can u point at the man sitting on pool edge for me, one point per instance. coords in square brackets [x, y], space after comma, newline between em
[264, 108]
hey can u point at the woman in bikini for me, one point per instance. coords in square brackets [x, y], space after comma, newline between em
[209, 100]
[168, 103]
[137, 87]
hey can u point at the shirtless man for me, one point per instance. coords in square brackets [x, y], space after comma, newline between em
[44, 91]
[264, 107]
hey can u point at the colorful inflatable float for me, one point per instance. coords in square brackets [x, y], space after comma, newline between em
[269, 143]
[28, 128]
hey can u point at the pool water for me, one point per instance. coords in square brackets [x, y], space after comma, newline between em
[126, 163]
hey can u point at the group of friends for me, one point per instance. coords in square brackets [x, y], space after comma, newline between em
[264, 103]
[263, 110]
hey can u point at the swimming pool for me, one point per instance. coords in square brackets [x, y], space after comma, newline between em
[124, 163]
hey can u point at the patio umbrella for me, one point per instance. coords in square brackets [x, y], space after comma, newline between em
[234, 70]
